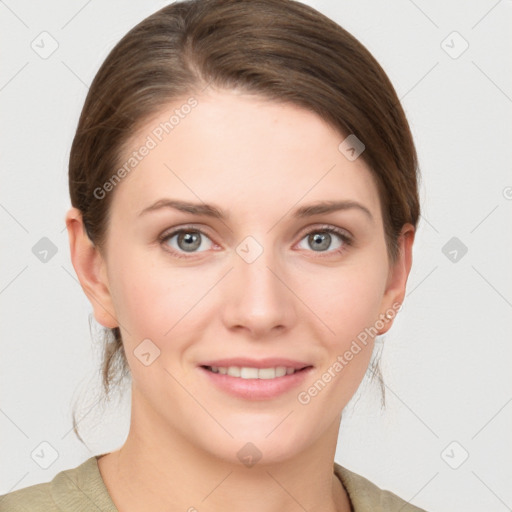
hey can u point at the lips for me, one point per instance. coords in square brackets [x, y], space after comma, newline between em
[236, 376]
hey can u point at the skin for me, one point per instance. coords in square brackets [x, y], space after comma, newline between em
[258, 161]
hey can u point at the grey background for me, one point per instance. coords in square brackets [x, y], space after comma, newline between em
[446, 362]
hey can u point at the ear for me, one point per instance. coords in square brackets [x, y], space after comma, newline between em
[90, 268]
[397, 279]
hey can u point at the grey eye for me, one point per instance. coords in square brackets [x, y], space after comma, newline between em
[187, 240]
[321, 240]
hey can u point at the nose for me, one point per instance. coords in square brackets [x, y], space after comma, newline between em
[258, 299]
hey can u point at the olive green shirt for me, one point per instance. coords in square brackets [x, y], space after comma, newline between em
[82, 489]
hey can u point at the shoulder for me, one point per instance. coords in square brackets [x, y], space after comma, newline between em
[77, 489]
[33, 498]
[366, 496]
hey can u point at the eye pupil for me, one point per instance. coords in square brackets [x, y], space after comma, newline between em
[192, 241]
[320, 241]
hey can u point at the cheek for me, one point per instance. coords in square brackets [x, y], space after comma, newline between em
[347, 300]
[155, 300]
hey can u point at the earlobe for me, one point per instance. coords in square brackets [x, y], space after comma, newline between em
[398, 275]
[90, 268]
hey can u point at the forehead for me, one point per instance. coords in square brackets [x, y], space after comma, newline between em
[242, 152]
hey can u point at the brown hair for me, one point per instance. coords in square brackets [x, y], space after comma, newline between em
[280, 49]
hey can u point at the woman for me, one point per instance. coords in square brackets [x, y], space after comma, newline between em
[244, 192]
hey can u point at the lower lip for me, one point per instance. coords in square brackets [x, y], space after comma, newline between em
[256, 389]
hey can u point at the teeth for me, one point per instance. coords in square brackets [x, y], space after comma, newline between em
[249, 373]
[266, 373]
[234, 371]
[253, 373]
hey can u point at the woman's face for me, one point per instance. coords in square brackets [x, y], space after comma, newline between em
[254, 275]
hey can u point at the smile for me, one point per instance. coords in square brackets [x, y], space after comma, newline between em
[251, 383]
[246, 372]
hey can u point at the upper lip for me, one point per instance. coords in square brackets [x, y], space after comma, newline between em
[270, 362]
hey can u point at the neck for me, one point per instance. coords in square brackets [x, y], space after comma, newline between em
[157, 468]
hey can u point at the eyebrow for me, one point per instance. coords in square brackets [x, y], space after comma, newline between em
[209, 210]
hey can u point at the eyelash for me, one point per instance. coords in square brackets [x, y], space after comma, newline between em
[345, 238]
